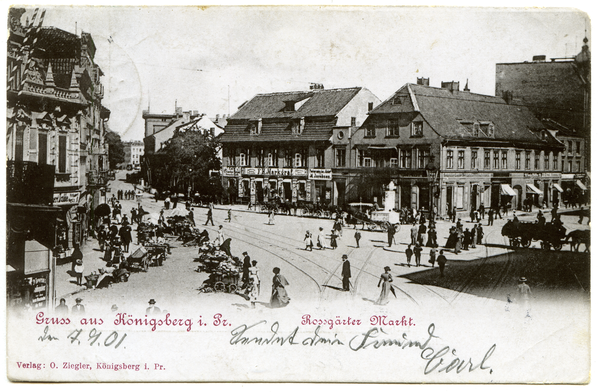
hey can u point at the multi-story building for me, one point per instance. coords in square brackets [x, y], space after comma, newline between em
[55, 119]
[557, 91]
[293, 145]
[449, 148]
[133, 150]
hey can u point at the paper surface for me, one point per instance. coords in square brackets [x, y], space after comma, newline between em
[470, 327]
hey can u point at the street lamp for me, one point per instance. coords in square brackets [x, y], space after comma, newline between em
[432, 178]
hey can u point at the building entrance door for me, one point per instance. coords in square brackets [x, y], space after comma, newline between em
[287, 191]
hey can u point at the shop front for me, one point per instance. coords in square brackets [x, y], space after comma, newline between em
[69, 228]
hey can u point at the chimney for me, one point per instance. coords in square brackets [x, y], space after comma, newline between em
[423, 81]
[195, 113]
[452, 86]
[467, 86]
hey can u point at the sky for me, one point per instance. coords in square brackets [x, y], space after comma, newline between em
[213, 59]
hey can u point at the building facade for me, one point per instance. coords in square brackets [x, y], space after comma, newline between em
[558, 92]
[448, 148]
[55, 119]
[133, 152]
[293, 146]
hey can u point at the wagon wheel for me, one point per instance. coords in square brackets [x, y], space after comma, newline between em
[525, 242]
[219, 287]
[557, 245]
[233, 288]
[372, 226]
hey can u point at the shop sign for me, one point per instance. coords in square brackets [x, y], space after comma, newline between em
[273, 171]
[567, 176]
[66, 198]
[228, 172]
[320, 174]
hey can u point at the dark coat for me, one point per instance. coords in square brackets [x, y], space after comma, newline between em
[346, 269]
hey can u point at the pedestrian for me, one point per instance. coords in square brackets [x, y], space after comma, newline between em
[481, 211]
[453, 214]
[432, 256]
[62, 309]
[254, 283]
[432, 238]
[391, 230]
[459, 240]
[125, 234]
[466, 239]
[220, 236]
[76, 255]
[346, 275]
[152, 309]
[417, 253]
[409, 253]
[308, 243]
[78, 308]
[228, 215]
[133, 215]
[414, 233]
[479, 234]
[209, 217]
[279, 296]
[272, 217]
[101, 237]
[191, 217]
[246, 269]
[441, 260]
[321, 239]
[78, 270]
[167, 203]
[385, 282]
[581, 215]
[333, 241]
[524, 292]
[422, 231]
[175, 200]
[554, 213]
[357, 238]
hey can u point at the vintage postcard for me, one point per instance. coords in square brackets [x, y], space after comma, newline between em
[298, 194]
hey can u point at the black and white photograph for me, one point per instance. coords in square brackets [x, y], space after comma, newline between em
[344, 194]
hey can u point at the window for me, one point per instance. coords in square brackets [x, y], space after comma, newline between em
[272, 158]
[527, 160]
[518, 160]
[394, 162]
[352, 121]
[577, 166]
[555, 161]
[486, 159]
[370, 106]
[460, 194]
[320, 157]
[570, 149]
[570, 166]
[397, 100]
[546, 160]
[562, 165]
[340, 157]
[370, 131]
[288, 158]
[405, 159]
[449, 159]
[367, 162]
[244, 157]
[393, 130]
[474, 163]
[578, 147]
[43, 148]
[62, 154]
[504, 159]
[416, 129]
[261, 158]
[423, 158]
[300, 159]
[460, 164]
[496, 159]
[536, 160]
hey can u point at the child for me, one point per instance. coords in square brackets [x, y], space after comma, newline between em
[308, 241]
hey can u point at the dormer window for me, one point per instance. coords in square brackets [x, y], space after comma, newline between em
[298, 126]
[486, 129]
[290, 106]
[416, 129]
[397, 100]
[256, 127]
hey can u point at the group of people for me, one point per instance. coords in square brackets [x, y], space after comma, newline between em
[336, 232]
[125, 195]
[251, 283]
[462, 238]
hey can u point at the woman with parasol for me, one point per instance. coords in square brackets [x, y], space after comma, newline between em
[279, 296]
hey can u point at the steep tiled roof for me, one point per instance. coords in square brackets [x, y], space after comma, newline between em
[447, 112]
[278, 131]
[319, 103]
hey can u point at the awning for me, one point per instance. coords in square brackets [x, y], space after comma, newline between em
[580, 184]
[533, 189]
[557, 187]
[507, 190]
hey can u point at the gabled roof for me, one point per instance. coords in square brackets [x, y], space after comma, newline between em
[450, 112]
[318, 103]
[279, 131]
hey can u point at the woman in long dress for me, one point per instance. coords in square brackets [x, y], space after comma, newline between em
[386, 279]
[279, 296]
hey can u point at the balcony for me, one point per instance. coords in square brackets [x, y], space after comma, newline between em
[29, 183]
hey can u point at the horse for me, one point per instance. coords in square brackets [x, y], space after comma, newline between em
[577, 237]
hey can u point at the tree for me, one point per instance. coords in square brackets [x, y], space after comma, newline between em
[185, 163]
[116, 153]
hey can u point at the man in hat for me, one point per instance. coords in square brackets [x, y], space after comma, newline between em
[152, 309]
[346, 273]
[78, 308]
[125, 234]
[62, 309]
[441, 260]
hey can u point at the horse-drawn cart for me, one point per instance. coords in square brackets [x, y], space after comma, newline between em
[522, 234]
[139, 260]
